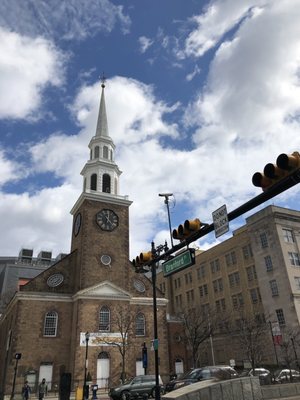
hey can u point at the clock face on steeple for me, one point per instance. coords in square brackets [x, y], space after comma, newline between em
[107, 220]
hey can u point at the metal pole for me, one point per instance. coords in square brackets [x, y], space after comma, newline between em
[155, 343]
[85, 366]
[14, 381]
[296, 356]
[274, 345]
[166, 196]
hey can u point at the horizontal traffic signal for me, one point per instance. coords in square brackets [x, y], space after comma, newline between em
[187, 229]
[142, 259]
[273, 173]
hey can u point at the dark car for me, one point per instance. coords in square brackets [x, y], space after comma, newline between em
[284, 376]
[138, 387]
[199, 374]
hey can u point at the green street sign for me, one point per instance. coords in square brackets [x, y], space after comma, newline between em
[179, 262]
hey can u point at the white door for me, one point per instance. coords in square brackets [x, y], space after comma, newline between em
[103, 370]
[139, 370]
[46, 372]
[178, 367]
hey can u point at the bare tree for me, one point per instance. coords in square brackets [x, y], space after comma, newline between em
[251, 333]
[290, 337]
[122, 322]
[197, 327]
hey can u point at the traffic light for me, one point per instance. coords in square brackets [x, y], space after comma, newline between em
[187, 229]
[142, 259]
[285, 165]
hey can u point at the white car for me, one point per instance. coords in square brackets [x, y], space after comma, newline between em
[285, 376]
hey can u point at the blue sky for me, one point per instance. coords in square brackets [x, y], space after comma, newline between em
[199, 96]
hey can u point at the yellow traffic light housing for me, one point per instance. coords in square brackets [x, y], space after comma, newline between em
[285, 165]
[187, 229]
[142, 259]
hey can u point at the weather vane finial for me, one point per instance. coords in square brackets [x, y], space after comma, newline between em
[103, 79]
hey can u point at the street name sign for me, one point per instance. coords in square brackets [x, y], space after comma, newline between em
[179, 262]
[220, 218]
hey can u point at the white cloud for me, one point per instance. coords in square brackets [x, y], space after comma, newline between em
[218, 19]
[145, 43]
[41, 221]
[27, 66]
[9, 170]
[62, 19]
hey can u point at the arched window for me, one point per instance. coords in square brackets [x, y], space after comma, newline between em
[103, 355]
[50, 323]
[140, 325]
[105, 152]
[106, 183]
[94, 182]
[104, 319]
[97, 152]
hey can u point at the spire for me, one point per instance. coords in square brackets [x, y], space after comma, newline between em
[102, 127]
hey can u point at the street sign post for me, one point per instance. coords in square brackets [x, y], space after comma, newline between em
[179, 262]
[220, 218]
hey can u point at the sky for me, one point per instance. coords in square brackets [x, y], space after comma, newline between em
[199, 96]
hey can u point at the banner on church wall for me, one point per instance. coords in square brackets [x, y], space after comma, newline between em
[102, 339]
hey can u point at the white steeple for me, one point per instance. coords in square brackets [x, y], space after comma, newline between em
[100, 173]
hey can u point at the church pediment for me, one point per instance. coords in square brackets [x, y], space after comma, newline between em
[104, 290]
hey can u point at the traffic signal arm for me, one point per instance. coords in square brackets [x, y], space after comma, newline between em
[278, 187]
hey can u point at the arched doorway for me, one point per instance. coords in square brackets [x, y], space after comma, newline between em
[103, 364]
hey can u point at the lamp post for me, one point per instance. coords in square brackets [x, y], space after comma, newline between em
[274, 345]
[17, 357]
[296, 356]
[84, 392]
[166, 196]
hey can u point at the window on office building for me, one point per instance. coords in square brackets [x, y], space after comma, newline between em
[215, 266]
[237, 300]
[288, 235]
[203, 290]
[234, 279]
[268, 263]
[294, 258]
[280, 316]
[201, 271]
[230, 258]
[297, 282]
[218, 285]
[255, 295]
[274, 287]
[220, 305]
[247, 251]
[251, 273]
[264, 240]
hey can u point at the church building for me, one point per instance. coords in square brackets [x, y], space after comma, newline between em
[90, 305]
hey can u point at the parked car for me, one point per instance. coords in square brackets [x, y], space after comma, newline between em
[139, 386]
[284, 376]
[221, 372]
[259, 372]
[263, 374]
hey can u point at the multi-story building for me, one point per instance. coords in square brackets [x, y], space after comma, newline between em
[255, 273]
[17, 271]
